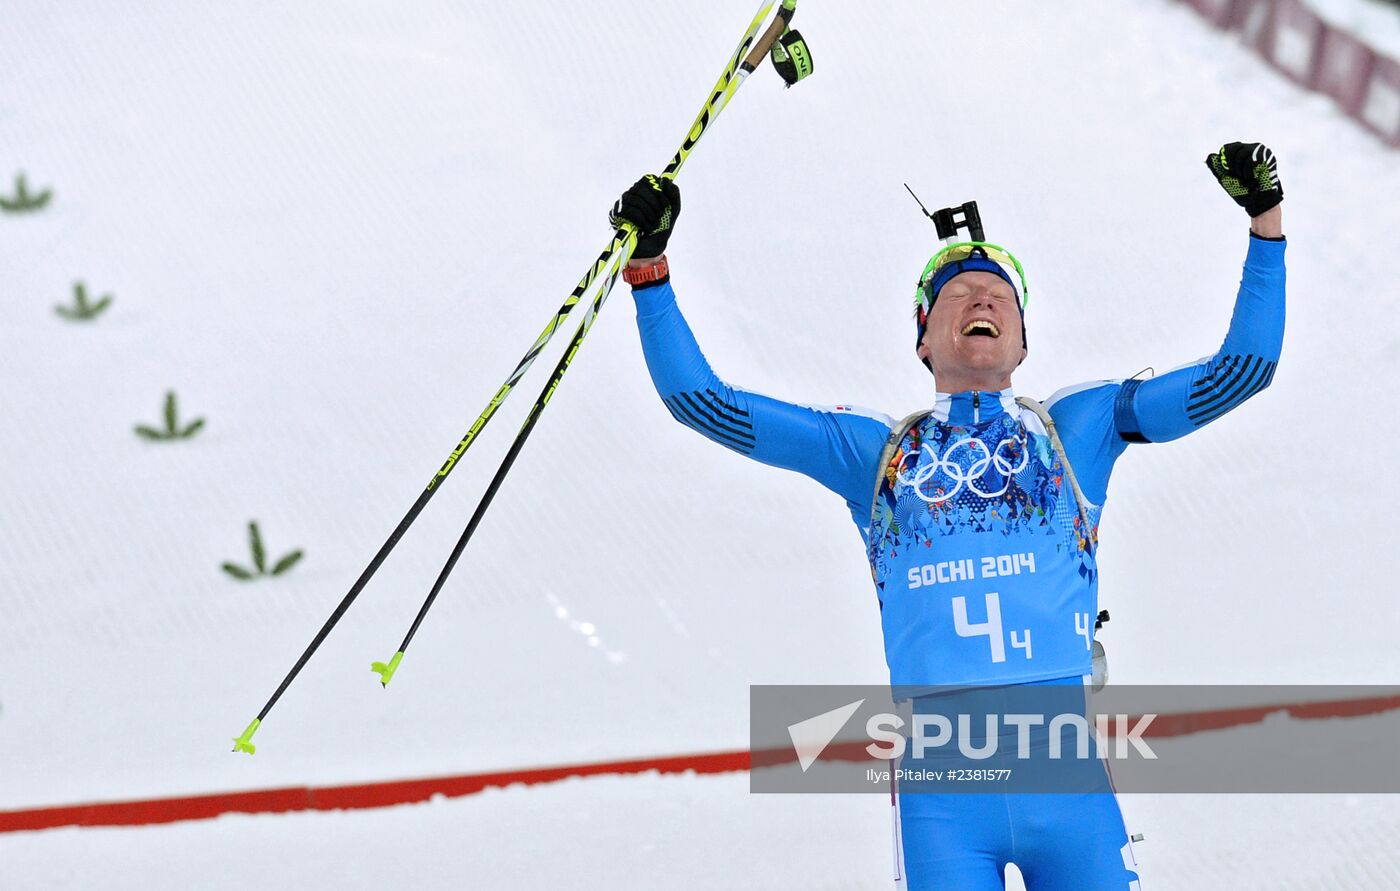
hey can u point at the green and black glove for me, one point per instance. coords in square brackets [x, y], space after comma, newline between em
[652, 205]
[1248, 172]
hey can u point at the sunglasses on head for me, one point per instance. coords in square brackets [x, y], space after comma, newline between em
[958, 253]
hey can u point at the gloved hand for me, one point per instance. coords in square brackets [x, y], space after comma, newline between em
[1248, 172]
[652, 205]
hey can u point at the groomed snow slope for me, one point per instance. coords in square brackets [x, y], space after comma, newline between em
[333, 230]
[684, 832]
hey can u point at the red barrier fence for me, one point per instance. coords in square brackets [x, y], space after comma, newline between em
[1314, 54]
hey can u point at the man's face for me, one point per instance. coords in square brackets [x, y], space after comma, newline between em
[974, 332]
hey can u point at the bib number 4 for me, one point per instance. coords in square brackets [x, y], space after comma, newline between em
[991, 628]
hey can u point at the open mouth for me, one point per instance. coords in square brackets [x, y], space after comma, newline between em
[981, 328]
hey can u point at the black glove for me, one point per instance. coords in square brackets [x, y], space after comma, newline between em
[652, 205]
[1248, 172]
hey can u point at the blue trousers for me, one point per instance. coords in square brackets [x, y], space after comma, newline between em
[1057, 820]
[1059, 841]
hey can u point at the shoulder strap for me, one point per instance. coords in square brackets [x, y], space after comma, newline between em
[897, 433]
[1079, 500]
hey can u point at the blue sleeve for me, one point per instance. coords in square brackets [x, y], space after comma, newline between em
[837, 446]
[1174, 404]
[1097, 420]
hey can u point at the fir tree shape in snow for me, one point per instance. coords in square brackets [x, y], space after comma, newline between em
[22, 201]
[83, 309]
[260, 568]
[172, 430]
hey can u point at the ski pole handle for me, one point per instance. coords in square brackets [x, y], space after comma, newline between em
[740, 65]
[770, 37]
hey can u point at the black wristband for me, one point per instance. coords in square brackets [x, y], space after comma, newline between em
[645, 285]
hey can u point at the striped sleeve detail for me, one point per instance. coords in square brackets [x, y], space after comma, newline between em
[719, 420]
[1233, 380]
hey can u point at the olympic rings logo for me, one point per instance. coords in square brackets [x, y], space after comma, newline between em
[944, 464]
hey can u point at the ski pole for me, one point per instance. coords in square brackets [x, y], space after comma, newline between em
[725, 88]
[719, 97]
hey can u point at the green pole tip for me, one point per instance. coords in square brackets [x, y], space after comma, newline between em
[386, 672]
[244, 743]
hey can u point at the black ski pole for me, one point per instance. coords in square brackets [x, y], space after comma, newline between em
[734, 75]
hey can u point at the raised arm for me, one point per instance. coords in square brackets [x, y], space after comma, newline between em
[1097, 420]
[837, 446]
[1172, 405]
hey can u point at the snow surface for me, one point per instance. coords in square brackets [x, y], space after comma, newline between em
[684, 832]
[334, 228]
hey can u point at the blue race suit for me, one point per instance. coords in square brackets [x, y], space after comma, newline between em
[982, 569]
